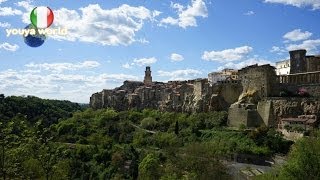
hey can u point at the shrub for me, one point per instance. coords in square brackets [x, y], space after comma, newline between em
[149, 123]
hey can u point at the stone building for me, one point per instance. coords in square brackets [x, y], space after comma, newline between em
[251, 110]
[224, 75]
[283, 67]
[258, 81]
[302, 122]
[147, 77]
[302, 69]
[293, 128]
[299, 62]
[179, 96]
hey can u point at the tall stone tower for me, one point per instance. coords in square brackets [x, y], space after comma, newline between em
[147, 77]
[298, 61]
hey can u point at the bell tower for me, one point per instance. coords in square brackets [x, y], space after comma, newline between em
[147, 77]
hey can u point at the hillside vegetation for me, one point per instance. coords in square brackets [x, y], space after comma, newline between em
[45, 139]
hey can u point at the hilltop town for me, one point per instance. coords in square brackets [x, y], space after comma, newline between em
[286, 95]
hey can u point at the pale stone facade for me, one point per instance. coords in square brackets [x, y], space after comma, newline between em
[283, 67]
[224, 75]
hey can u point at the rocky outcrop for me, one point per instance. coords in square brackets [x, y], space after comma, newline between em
[178, 96]
[293, 107]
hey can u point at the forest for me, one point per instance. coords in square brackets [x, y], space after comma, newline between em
[51, 139]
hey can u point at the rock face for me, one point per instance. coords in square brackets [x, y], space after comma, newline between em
[178, 96]
[292, 107]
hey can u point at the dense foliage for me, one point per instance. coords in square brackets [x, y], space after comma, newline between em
[34, 109]
[303, 161]
[45, 140]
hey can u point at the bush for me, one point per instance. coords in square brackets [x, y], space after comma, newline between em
[149, 167]
[149, 123]
[108, 115]
[242, 127]
[163, 140]
[66, 128]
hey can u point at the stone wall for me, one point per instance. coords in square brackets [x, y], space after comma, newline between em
[312, 89]
[265, 111]
[237, 116]
[243, 114]
[292, 107]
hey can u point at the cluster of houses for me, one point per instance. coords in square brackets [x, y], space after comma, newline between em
[300, 68]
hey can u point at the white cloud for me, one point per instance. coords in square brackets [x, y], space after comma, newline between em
[8, 11]
[310, 45]
[297, 35]
[1, 1]
[278, 50]
[244, 63]
[118, 77]
[112, 27]
[143, 41]
[77, 86]
[139, 62]
[249, 13]
[25, 4]
[9, 47]
[60, 67]
[4, 24]
[186, 15]
[275, 49]
[177, 6]
[127, 66]
[145, 61]
[176, 57]
[227, 54]
[315, 4]
[28, 8]
[180, 74]
[93, 24]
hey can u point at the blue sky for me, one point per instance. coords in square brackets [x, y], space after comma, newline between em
[111, 41]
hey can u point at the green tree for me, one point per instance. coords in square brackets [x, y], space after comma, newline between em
[149, 123]
[303, 161]
[14, 135]
[195, 161]
[176, 128]
[149, 167]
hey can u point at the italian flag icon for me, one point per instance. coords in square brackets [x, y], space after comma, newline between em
[41, 17]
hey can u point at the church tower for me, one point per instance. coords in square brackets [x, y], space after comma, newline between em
[147, 77]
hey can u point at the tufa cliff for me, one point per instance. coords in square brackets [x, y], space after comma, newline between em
[178, 96]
